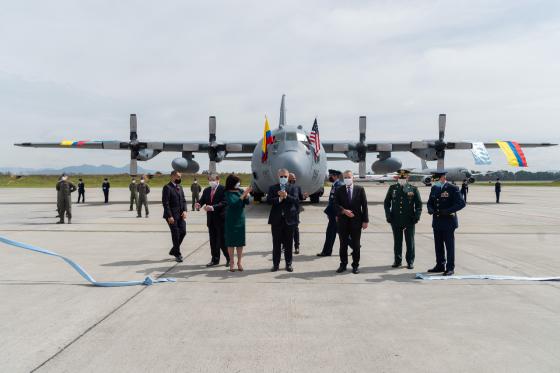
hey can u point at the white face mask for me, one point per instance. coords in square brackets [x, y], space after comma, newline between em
[142, 181]
[133, 181]
[64, 178]
[401, 181]
[348, 181]
[237, 185]
[283, 180]
[195, 182]
[213, 184]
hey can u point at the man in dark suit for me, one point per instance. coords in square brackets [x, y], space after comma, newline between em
[498, 189]
[214, 204]
[444, 202]
[175, 213]
[106, 186]
[330, 234]
[283, 219]
[352, 213]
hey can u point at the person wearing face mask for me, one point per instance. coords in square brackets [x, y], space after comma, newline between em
[64, 189]
[352, 210]
[143, 190]
[133, 193]
[302, 196]
[175, 213]
[283, 219]
[444, 202]
[330, 234]
[234, 232]
[403, 208]
[195, 193]
[213, 203]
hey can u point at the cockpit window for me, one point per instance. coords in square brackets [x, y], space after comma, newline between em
[291, 136]
[301, 137]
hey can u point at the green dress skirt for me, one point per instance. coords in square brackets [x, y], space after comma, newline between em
[235, 219]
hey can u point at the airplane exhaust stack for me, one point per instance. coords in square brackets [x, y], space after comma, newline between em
[212, 143]
[361, 147]
[134, 148]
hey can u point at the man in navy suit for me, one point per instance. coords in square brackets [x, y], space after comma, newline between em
[444, 202]
[175, 213]
[214, 204]
[352, 214]
[330, 234]
[283, 219]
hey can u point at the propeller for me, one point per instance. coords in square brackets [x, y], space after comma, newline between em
[212, 144]
[133, 145]
[361, 148]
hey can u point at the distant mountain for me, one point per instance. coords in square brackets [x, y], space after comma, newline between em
[85, 169]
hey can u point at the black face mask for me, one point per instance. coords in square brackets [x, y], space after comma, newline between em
[331, 179]
[177, 181]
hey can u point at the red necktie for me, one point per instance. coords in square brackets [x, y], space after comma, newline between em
[212, 195]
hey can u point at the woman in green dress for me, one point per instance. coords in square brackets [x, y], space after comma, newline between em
[235, 199]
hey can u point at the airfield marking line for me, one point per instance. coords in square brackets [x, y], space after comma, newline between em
[113, 311]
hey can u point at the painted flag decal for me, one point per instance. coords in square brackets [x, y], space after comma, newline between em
[267, 140]
[513, 152]
[480, 154]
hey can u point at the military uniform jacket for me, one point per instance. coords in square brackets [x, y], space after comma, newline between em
[498, 187]
[443, 204]
[195, 189]
[105, 186]
[330, 210]
[143, 190]
[403, 206]
[132, 188]
[64, 188]
[81, 186]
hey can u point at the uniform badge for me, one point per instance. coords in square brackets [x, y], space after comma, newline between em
[410, 194]
[444, 195]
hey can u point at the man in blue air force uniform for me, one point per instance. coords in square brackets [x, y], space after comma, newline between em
[444, 202]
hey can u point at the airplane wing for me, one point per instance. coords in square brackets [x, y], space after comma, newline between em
[402, 146]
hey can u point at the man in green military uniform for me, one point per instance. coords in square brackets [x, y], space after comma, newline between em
[133, 193]
[403, 208]
[143, 191]
[195, 191]
[64, 188]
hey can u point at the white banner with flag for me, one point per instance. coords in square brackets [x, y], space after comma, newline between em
[480, 154]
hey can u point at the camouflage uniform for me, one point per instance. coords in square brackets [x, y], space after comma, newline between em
[63, 199]
[143, 191]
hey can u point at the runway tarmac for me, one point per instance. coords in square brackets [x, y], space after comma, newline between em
[311, 320]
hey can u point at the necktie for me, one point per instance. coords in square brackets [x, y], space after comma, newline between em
[213, 190]
[349, 191]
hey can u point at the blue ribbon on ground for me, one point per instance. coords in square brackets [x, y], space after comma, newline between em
[147, 281]
[422, 276]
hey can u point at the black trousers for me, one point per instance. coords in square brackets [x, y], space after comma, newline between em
[445, 241]
[349, 234]
[178, 232]
[81, 196]
[282, 235]
[217, 242]
[106, 194]
[497, 197]
[464, 194]
[330, 236]
[296, 236]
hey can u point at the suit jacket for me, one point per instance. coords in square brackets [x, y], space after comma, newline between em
[330, 210]
[358, 204]
[443, 205]
[286, 210]
[218, 203]
[173, 200]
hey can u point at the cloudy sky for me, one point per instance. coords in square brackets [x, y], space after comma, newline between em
[76, 69]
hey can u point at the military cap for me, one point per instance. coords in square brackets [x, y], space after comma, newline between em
[439, 173]
[404, 171]
[334, 172]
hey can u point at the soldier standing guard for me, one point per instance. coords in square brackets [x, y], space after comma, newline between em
[133, 193]
[81, 191]
[143, 191]
[64, 189]
[106, 186]
[195, 192]
[443, 204]
[403, 208]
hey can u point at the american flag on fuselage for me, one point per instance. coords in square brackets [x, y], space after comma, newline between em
[314, 139]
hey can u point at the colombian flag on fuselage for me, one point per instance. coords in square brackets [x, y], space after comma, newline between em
[513, 152]
[267, 139]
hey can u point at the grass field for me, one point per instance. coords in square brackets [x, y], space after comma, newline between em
[94, 181]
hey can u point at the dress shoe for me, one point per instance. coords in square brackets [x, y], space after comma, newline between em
[355, 270]
[69, 221]
[410, 266]
[341, 269]
[274, 269]
[227, 263]
[322, 255]
[179, 259]
[296, 250]
[171, 252]
[211, 264]
[396, 265]
[436, 269]
[289, 268]
[147, 216]
[448, 273]
[138, 216]
[60, 222]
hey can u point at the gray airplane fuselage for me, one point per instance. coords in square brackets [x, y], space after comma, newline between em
[454, 174]
[291, 150]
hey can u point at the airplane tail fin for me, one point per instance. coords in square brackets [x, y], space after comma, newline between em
[424, 164]
[282, 121]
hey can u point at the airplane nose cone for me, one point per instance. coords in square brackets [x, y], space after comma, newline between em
[293, 162]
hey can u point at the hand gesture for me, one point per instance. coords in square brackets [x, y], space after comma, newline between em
[246, 192]
[282, 194]
[349, 213]
[170, 220]
[197, 206]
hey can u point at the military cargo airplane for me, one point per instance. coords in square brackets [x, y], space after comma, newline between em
[291, 148]
[454, 174]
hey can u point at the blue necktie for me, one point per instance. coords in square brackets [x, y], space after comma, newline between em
[349, 191]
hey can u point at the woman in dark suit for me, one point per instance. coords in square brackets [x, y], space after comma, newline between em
[234, 230]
